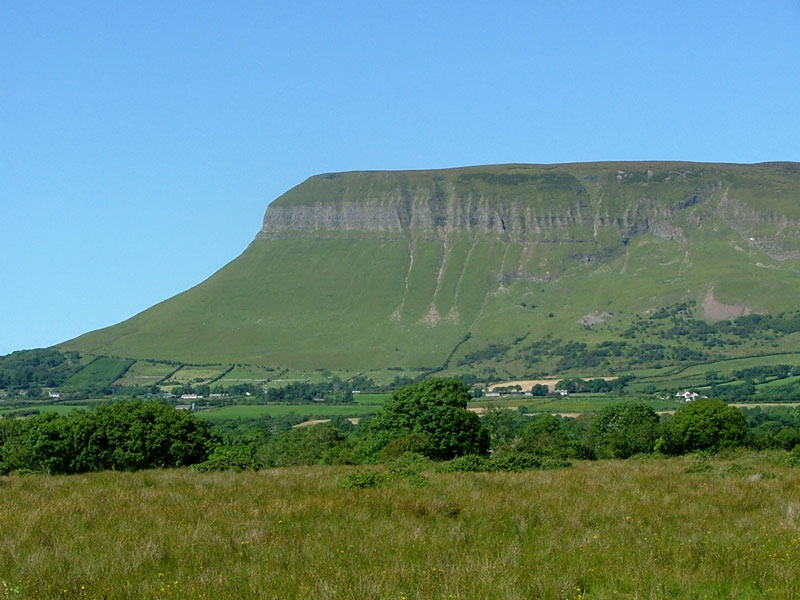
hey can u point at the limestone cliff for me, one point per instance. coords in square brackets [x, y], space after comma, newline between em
[571, 202]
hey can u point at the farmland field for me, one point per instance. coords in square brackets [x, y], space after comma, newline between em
[145, 373]
[103, 370]
[192, 374]
[248, 411]
[371, 398]
[61, 409]
[248, 374]
[569, 404]
[728, 528]
[695, 375]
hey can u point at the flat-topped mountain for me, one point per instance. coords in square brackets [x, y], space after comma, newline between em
[441, 268]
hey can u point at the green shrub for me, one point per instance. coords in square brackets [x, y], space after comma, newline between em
[229, 458]
[362, 480]
[469, 463]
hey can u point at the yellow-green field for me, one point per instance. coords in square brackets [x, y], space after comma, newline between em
[192, 374]
[145, 373]
[646, 529]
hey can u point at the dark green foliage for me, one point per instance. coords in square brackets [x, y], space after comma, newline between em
[622, 430]
[45, 367]
[520, 461]
[317, 444]
[469, 463]
[122, 436]
[777, 428]
[436, 408]
[503, 425]
[576, 385]
[706, 425]
[509, 461]
[420, 443]
[766, 373]
[237, 457]
[362, 480]
[491, 352]
[545, 435]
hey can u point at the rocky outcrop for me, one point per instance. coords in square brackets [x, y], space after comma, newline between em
[545, 203]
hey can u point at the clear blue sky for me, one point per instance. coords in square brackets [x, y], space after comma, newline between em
[140, 142]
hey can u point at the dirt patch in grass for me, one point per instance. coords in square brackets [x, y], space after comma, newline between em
[714, 310]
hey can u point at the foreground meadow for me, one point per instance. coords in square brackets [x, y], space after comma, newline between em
[652, 528]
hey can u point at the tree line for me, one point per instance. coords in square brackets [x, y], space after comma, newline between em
[428, 419]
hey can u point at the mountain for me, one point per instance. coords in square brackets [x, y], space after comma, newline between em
[494, 267]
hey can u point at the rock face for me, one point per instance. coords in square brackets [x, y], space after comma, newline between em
[574, 202]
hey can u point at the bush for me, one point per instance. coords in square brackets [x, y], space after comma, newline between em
[706, 425]
[362, 480]
[469, 463]
[229, 458]
[124, 436]
[436, 409]
[622, 430]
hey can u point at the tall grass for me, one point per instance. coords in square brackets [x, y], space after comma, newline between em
[640, 529]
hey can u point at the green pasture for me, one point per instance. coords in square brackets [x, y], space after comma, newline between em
[145, 373]
[198, 375]
[694, 376]
[249, 411]
[60, 409]
[725, 367]
[573, 403]
[101, 371]
[248, 374]
[371, 399]
[778, 382]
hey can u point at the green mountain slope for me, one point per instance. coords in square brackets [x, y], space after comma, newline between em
[435, 268]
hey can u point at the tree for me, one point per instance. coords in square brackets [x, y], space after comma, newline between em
[706, 425]
[436, 408]
[503, 424]
[539, 389]
[544, 435]
[622, 430]
[122, 436]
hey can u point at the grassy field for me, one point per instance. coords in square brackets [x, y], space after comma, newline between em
[145, 373]
[197, 375]
[248, 374]
[104, 371]
[570, 404]
[61, 409]
[695, 375]
[248, 411]
[371, 398]
[642, 529]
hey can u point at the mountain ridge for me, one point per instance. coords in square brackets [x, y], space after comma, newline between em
[545, 198]
[422, 269]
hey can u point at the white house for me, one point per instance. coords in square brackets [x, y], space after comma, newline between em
[688, 396]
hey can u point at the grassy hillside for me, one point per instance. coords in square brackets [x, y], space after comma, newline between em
[676, 528]
[440, 269]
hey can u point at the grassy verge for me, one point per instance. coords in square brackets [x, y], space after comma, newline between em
[677, 528]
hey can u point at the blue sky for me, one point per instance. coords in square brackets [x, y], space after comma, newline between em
[141, 142]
